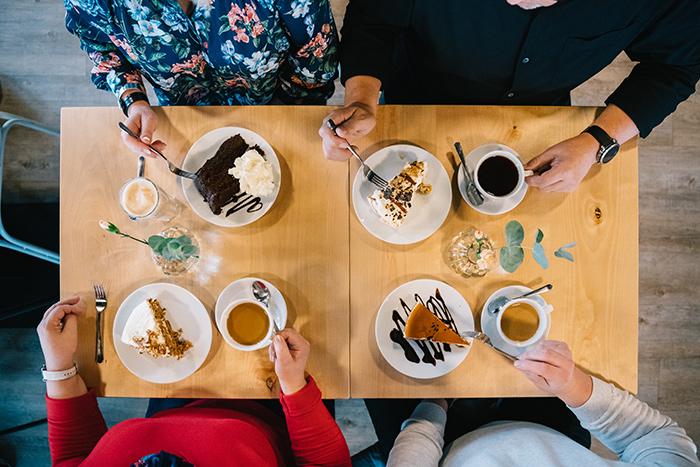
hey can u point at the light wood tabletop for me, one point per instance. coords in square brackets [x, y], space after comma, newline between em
[594, 298]
[300, 245]
[334, 274]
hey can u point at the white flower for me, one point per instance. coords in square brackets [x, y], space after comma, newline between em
[104, 225]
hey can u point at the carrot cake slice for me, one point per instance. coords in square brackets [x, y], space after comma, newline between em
[422, 324]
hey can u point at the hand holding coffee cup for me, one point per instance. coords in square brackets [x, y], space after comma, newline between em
[290, 352]
[246, 325]
[550, 367]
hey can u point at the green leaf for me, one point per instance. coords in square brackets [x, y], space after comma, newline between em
[184, 239]
[514, 233]
[156, 242]
[113, 228]
[539, 255]
[568, 245]
[189, 250]
[539, 236]
[561, 253]
[224, 27]
[511, 257]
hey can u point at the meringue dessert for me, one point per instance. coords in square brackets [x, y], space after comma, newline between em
[254, 173]
[393, 203]
[149, 331]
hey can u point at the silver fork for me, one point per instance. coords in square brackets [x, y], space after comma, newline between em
[173, 168]
[370, 174]
[100, 306]
[486, 340]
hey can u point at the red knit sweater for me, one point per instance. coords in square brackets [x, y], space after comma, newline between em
[205, 432]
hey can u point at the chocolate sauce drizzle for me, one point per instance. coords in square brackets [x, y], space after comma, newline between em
[432, 352]
[245, 201]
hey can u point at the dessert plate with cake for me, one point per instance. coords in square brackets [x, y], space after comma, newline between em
[162, 333]
[418, 328]
[416, 202]
[237, 176]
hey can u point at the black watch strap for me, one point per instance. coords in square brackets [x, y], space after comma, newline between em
[608, 145]
[126, 101]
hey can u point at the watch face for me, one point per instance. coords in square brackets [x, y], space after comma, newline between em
[609, 153]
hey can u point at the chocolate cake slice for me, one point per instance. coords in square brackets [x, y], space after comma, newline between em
[213, 180]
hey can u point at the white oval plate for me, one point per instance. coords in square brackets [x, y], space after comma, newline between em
[491, 207]
[428, 211]
[393, 352]
[205, 148]
[183, 310]
[243, 288]
[488, 321]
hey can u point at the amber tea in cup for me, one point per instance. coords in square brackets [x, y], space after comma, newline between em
[248, 323]
[520, 321]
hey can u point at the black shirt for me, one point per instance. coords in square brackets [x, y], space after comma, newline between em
[489, 52]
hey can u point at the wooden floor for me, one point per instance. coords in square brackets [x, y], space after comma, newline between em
[42, 69]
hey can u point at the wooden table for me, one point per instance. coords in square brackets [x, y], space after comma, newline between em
[333, 273]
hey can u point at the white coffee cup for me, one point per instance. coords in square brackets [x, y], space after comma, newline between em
[221, 323]
[510, 154]
[543, 314]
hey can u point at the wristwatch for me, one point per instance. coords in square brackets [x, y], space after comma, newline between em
[609, 147]
[58, 375]
[126, 101]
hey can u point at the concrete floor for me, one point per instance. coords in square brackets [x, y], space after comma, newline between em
[42, 69]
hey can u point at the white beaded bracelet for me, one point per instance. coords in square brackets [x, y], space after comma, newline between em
[59, 375]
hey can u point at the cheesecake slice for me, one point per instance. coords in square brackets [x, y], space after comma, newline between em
[393, 203]
[423, 325]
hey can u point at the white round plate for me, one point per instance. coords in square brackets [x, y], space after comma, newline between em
[184, 311]
[243, 288]
[428, 211]
[393, 352]
[488, 320]
[490, 207]
[205, 148]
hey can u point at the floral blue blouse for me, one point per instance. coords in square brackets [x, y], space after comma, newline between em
[224, 53]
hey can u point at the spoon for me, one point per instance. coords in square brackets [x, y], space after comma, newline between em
[473, 194]
[262, 294]
[497, 305]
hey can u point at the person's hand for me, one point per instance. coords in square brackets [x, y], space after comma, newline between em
[354, 121]
[289, 351]
[58, 333]
[142, 121]
[550, 367]
[563, 166]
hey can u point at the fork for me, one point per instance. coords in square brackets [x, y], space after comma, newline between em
[486, 340]
[370, 174]
[173, 168]
[100, 305]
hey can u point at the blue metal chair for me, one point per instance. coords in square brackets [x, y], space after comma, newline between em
[6, 240]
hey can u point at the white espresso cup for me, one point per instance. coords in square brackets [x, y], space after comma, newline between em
[512, 156]
[543, 314]
[222, 322]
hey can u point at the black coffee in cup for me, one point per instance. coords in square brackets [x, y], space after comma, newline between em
[498, 175]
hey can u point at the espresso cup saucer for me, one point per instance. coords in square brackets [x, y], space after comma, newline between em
[488, 320]
[491, 207]
[243, 288]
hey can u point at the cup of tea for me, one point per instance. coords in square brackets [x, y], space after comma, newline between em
[246, 324]
[523, 322]
[500, 174]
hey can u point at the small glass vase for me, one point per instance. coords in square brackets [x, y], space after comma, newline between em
[175, 267]
[471, 253]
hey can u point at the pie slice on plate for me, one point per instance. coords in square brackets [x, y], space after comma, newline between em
[424, 325]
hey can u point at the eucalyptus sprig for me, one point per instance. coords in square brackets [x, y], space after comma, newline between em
[170, 248]
[511, 255]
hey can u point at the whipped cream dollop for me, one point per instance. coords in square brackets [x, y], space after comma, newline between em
[254, 173]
